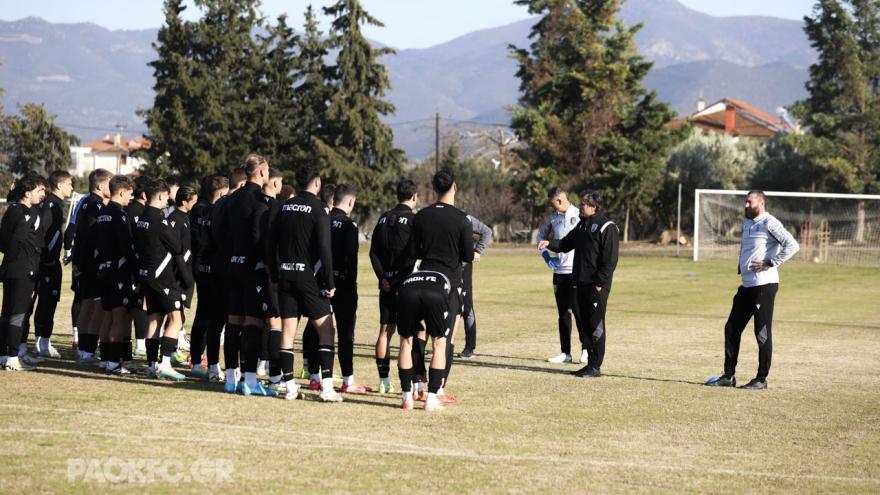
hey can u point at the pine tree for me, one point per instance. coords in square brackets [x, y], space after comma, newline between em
[32, 141]
[313, 93]
[360, 148]
[172, 127]
[843, 106]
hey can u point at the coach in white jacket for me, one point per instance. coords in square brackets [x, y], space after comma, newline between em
[563, 219]
[765, 245]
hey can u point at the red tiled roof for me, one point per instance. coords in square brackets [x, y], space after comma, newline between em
[126, 145]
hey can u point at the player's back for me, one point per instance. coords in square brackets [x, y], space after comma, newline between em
[443, 239]
[244, 213]
[296, 234]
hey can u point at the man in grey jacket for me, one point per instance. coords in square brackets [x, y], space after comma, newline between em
[563, 219]
[765, 245]
[484, 234]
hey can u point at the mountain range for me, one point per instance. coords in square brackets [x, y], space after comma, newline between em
[94, 78]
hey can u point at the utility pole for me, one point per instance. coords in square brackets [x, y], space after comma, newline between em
[437, 142]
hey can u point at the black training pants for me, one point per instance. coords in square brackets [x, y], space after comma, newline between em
[592, 304]
[470, 317]
[565, 293]
[748, 302]
[345, 310]
[17, 298]
[48, 295]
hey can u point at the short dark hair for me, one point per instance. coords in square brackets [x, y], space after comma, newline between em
[555, 191]
[236, 176]
[759, 193]
[120, 182]
[443, 181]
[212, 184]
[592, 198]
[172, 180]
[140, 183]
[57, 177]
[343, 191]
[328, 192]
[406, 189]
[274, 173]
[98, 175]
[252, 164]
[153, 187]
[285, 193]
[307, 174]
[184, 194]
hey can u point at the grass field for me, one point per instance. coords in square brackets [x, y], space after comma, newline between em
[523, 425]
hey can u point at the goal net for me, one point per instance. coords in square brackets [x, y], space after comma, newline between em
[842, 229]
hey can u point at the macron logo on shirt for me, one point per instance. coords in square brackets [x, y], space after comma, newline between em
[297, 208]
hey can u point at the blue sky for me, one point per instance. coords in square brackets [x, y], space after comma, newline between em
[409, 23]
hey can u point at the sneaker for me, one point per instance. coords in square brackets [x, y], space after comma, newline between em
[561, 358]
[31, 359]
[182, 342]
[293, 393]
[314, 385]
[584, 356]
[386, 389]
[179, 358]
[434, 405]
[141, 353]
[330, 395]
[466, 353]
[588, 372]
[199, 372]
[721, 381]
[756, 384]
[258, 390]
[279, 387]
[304, 374]
[408, 405]
[444, 398]
[169, 373]
[120, 370]
[420, 395]
[229, 387]
[355, 388]
[18, 365]
[215, 377]
[50, 351]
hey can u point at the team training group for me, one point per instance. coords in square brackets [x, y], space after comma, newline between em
[262, 258]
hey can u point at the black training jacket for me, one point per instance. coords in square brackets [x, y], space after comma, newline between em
[594, 241]
[244, 213]
[300, 241]
[344, 246]
[52, 211]
[391, 251]
[115, 259]
[156, 245]
[83, 244]
[21, 239]
[443, 240]
[183, 267]
[200, 235]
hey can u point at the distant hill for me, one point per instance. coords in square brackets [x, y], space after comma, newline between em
[94, 78]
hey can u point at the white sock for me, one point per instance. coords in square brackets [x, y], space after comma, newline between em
[407, 396]
[214, 368]
[314, 378]
[230, 375]
[348, 380]
[166, 362]
[420, 387]
[12, 361]
[75, 334]
[432, 398]
[327, 384]
[386, 381]
[250, 378]
[440, 391]
[142, 344]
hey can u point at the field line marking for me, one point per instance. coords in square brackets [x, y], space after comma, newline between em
[352, 442]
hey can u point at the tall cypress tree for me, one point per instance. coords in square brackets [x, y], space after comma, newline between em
[172, 128]
[360, 147]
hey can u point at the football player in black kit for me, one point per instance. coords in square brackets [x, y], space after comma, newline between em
[247, 284]
[156, 246]
[344, 245]
[210, 317]
[270, 344]
[134, 211]
[299, 246]
[21, 240]
[392, 259]
[443, 241]
[116, 271]
[178, 219]
[49, 283]
[90, 314]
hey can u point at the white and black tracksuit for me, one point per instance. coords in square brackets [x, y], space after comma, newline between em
[763, 239]
[595, 244]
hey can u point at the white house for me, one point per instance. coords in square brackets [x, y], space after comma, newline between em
[112, 153]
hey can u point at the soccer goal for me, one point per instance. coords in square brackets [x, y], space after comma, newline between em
[842, 229]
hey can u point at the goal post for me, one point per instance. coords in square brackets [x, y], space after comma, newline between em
[841, 229]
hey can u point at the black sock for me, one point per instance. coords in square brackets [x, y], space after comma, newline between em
[435, 379]
[152, 350]
[105, 355]
[119, 351]
[88, 342]
[264, 343]
[274, 353]
[383, 365]
[212, 344]
[406, 379]
[286, 361]
[325, 354]
[125, 349]
[231, 343]
[252, 337]
[169, 346]
[13, 339]
[450, 350]
[418, 356]
[197, 342]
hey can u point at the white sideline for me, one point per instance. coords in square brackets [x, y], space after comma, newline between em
[351, 444]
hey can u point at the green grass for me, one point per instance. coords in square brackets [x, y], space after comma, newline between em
[523, 425]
